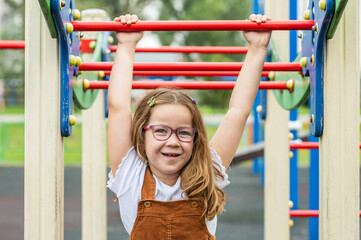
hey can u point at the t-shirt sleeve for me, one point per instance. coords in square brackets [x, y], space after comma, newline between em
[218, 164]
[128, 172]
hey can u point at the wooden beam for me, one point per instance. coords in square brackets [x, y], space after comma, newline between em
[339, 146]
[94, 162]
[44, 148]
[277, 162]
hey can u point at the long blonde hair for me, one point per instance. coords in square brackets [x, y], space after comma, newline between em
[199, 174]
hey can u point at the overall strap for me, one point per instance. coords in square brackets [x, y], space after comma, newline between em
[148, 189]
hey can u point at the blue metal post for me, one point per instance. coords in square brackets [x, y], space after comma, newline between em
[256, 127]
[255, 7]
[293, 114]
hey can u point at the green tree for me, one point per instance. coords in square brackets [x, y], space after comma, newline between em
[115, 8]
[206, 10]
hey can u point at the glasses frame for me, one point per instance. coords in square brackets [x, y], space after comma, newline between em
[175, 131]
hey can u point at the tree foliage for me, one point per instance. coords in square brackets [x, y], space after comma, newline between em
[115, 8]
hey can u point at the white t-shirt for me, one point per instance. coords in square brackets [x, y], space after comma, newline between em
[128, 183]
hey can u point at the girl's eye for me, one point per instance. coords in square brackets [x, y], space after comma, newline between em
[185, 133]
[160, 130]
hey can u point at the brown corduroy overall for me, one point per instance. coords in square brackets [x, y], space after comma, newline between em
[174, 220]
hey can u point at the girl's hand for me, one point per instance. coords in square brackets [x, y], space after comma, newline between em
[258, 39]
[131, 38]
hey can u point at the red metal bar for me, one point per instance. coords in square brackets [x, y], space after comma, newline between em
[188, 73]
[191, 66]
[187, 85]
[191, 49]
[303, 213]
[306, 213]
[11, 44]
[307, 145]
[304, 145]
[194, 25]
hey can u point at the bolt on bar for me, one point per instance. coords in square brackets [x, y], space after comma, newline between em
[235, 25]
[189, 84]
[188, 73]
[305, 213]
[11, 44]
[191, 66]
[306, 145]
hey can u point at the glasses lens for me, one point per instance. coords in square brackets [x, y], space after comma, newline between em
[185, 134]
[161, 132]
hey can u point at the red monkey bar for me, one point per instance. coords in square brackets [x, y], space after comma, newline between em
[235, 25]
[188, 73]
[191, 66]
[11, 44]
[189, 84]
[305, 145]
[192, 49]
[305, 213]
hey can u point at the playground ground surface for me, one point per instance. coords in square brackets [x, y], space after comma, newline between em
[243, 219]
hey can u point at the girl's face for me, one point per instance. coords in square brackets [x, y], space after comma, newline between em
[167, 158]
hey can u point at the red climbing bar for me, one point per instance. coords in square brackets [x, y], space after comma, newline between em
[306, 145]
[303, 213]
[306, 213]
[187, 85]
[191, 66]
[194, 25]
[188, 73]
[11, 44]
[191, 49]
[87, 44]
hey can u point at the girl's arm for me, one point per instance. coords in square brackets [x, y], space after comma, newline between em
[228, 135]
[119, 94]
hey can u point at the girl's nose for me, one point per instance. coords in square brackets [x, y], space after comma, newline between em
[173, 140]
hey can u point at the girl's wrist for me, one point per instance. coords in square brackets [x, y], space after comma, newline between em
[127, 45]
[257, 48]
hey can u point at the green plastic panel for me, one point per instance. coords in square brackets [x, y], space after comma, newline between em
[290, 100]
[339, 8]
[45, 8]
[84, 100]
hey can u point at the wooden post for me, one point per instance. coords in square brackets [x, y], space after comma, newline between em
[277, 162]
[94, 210]
[339, 146]
[44, 148]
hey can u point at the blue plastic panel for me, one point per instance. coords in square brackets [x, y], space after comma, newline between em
[68, 45]
[313, 44]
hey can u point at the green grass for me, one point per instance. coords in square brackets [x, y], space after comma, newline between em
[210, 110]
[17, 109]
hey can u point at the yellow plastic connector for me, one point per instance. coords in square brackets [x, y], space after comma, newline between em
[303, 62]
[76, 14]
[72, 120]
[306, 14]
[69, 28]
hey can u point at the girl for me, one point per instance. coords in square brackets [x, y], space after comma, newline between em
[167, 178]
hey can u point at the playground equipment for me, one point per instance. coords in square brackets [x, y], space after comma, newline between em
[188, 85]
[46, 167]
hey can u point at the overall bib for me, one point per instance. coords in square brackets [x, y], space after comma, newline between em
[174, 220]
